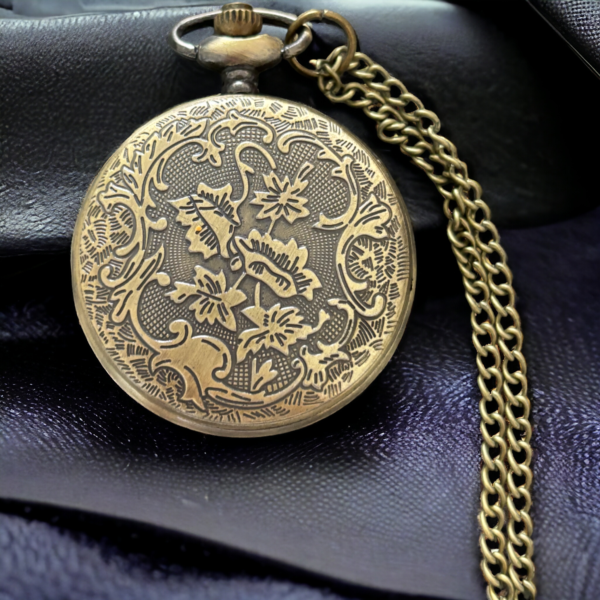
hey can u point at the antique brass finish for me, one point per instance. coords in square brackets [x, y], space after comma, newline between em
[237, 49]
[237, 19]
[259, 52]
[243, 265]
[270, 17]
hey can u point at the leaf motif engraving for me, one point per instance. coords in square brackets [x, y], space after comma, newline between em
[211, 217]
[282, 198]
[140, 166]
[214, 301]
[323, 243]
[278, 327]
[370, 220]
[139, 172]
[343, 170]
[126, 295]
[264, 375]
[317, 365]
[375, 262]
[281, 266]
[105, 235]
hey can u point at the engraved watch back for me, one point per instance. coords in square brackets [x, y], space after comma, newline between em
[243, 265]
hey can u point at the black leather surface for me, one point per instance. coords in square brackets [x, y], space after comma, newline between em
[578, 22]
[73, 88]
[385, 492]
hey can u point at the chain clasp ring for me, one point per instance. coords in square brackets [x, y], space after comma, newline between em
[323, 15]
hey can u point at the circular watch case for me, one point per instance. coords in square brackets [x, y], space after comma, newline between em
[243, 265]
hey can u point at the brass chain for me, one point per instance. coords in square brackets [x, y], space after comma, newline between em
[506, 526]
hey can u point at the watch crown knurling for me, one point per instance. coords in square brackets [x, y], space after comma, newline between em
[237, 20]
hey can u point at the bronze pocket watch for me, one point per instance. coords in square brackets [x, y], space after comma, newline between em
[243, 265]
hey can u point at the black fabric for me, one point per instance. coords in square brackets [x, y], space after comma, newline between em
[578, 22]
[74, 88]
[384, 493]
[41, 561]
[78, 556]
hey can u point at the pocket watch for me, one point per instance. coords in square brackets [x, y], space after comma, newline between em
[243, 265]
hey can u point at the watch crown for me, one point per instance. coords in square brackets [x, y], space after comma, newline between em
[237, 20]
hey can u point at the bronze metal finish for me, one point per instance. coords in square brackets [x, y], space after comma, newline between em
[242, 53]
[259, 52]
[237, 19]
[243, 265]
[269, 17]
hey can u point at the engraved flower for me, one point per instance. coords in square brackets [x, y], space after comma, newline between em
[278, 327]
[105, 233]
[281, 266]
[215, 301]
[282, 198]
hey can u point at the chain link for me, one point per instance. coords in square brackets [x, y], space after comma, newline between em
[506, 528]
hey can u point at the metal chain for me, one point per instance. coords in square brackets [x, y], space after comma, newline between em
[506, 475]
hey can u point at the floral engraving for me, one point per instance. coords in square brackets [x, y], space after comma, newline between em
[317, 365]
[281, 266]
[278, 328]
[211, 217]
[242, 260]
[262, 376]
[215, 302]
[282, 198]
